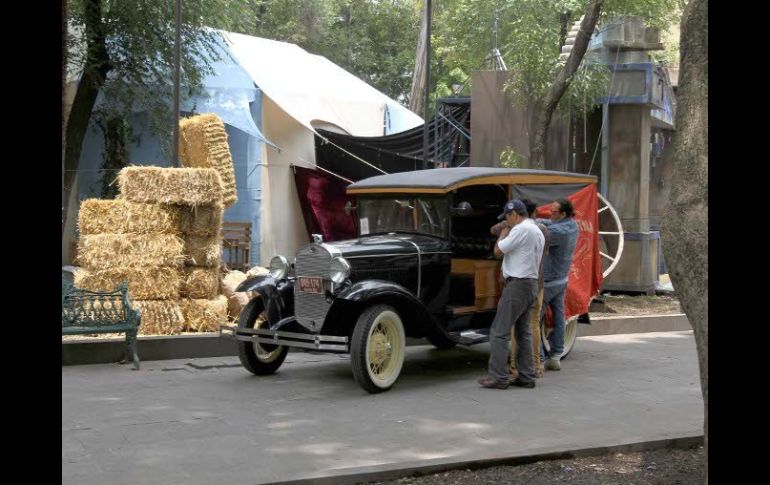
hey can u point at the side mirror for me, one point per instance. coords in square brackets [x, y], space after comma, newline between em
[463, 209]
[349, 208]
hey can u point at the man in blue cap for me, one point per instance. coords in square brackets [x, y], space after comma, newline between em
[521, 245]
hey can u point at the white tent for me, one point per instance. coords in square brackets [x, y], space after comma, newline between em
[302, 91]
[271, 96]
[311, 88]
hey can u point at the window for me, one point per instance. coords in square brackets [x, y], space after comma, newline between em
[426, 215]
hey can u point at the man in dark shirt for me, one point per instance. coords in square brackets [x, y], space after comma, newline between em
[563, 234]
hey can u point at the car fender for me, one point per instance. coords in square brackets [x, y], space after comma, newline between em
[278, 296]
[352, 299]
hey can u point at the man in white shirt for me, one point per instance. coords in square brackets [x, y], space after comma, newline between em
[521, 245]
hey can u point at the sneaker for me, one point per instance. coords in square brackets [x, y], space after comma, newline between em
[520, 383]
[553, 364]
[490, 383]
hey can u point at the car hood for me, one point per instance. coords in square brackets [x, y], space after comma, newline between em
[390, 244]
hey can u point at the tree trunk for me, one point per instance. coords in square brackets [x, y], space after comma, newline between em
[418, 78]
[685, 223]
[95, 71]
[560, 85]
[63, 80]
[63, 58]
[115, 130]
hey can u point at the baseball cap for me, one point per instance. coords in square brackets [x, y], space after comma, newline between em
[514, 205]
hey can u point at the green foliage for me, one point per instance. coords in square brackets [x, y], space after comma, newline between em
[529, 39]
[303, 22]
[659, 14]
[375, 40]
[670, 37]
[510, 158]
[140, 37]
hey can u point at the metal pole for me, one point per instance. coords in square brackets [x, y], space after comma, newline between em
[427, 84]
[177, 68]
[605, 170]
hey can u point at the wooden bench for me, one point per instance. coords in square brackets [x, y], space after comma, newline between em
[86, 312]
[236, 244]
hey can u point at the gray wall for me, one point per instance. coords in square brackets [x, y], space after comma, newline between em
[497, 123]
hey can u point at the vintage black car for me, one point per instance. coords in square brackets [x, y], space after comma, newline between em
[422, 266]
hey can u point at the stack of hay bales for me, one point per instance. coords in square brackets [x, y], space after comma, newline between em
[203, 145]
[163, 234]
[138, 242]
[202, 304]
[165, 220]
[194, 195]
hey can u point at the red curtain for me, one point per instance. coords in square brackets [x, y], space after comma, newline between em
[585, 274]
[322, 198]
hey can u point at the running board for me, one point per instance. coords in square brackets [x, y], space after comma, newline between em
[470, 337]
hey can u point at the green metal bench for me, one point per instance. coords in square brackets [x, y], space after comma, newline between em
[86, 312]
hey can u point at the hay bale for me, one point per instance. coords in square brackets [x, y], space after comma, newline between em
[203, 144]
[105, 251]
[183, 186]
[257, 271]
[235, 301]
[203, 315]
[205, 251]
[203, 220]
[235, 304]
[144, 283]
[231, 281]
[119, 216]
[160, 317]
[200, 283]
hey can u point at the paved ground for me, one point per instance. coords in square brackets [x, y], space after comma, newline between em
[197, 421]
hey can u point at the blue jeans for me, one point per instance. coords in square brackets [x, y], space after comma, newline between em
[553, 297]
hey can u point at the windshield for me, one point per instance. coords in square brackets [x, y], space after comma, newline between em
[427, 215]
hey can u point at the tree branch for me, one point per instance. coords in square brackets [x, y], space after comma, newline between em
[562, 82]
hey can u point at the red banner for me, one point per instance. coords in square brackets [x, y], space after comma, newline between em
[585, 274]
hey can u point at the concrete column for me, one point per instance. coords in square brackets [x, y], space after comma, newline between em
[629, 165]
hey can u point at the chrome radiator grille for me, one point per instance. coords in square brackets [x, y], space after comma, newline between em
[310, 309]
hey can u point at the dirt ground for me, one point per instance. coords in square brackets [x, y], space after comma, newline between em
[634, 305]
[657, 467]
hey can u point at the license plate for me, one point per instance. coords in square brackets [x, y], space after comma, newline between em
[310, 285]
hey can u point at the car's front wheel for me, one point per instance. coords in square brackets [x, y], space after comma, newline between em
[377, 348]
[259, 359]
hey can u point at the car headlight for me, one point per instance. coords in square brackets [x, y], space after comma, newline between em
[339, 270]
[279, 267]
